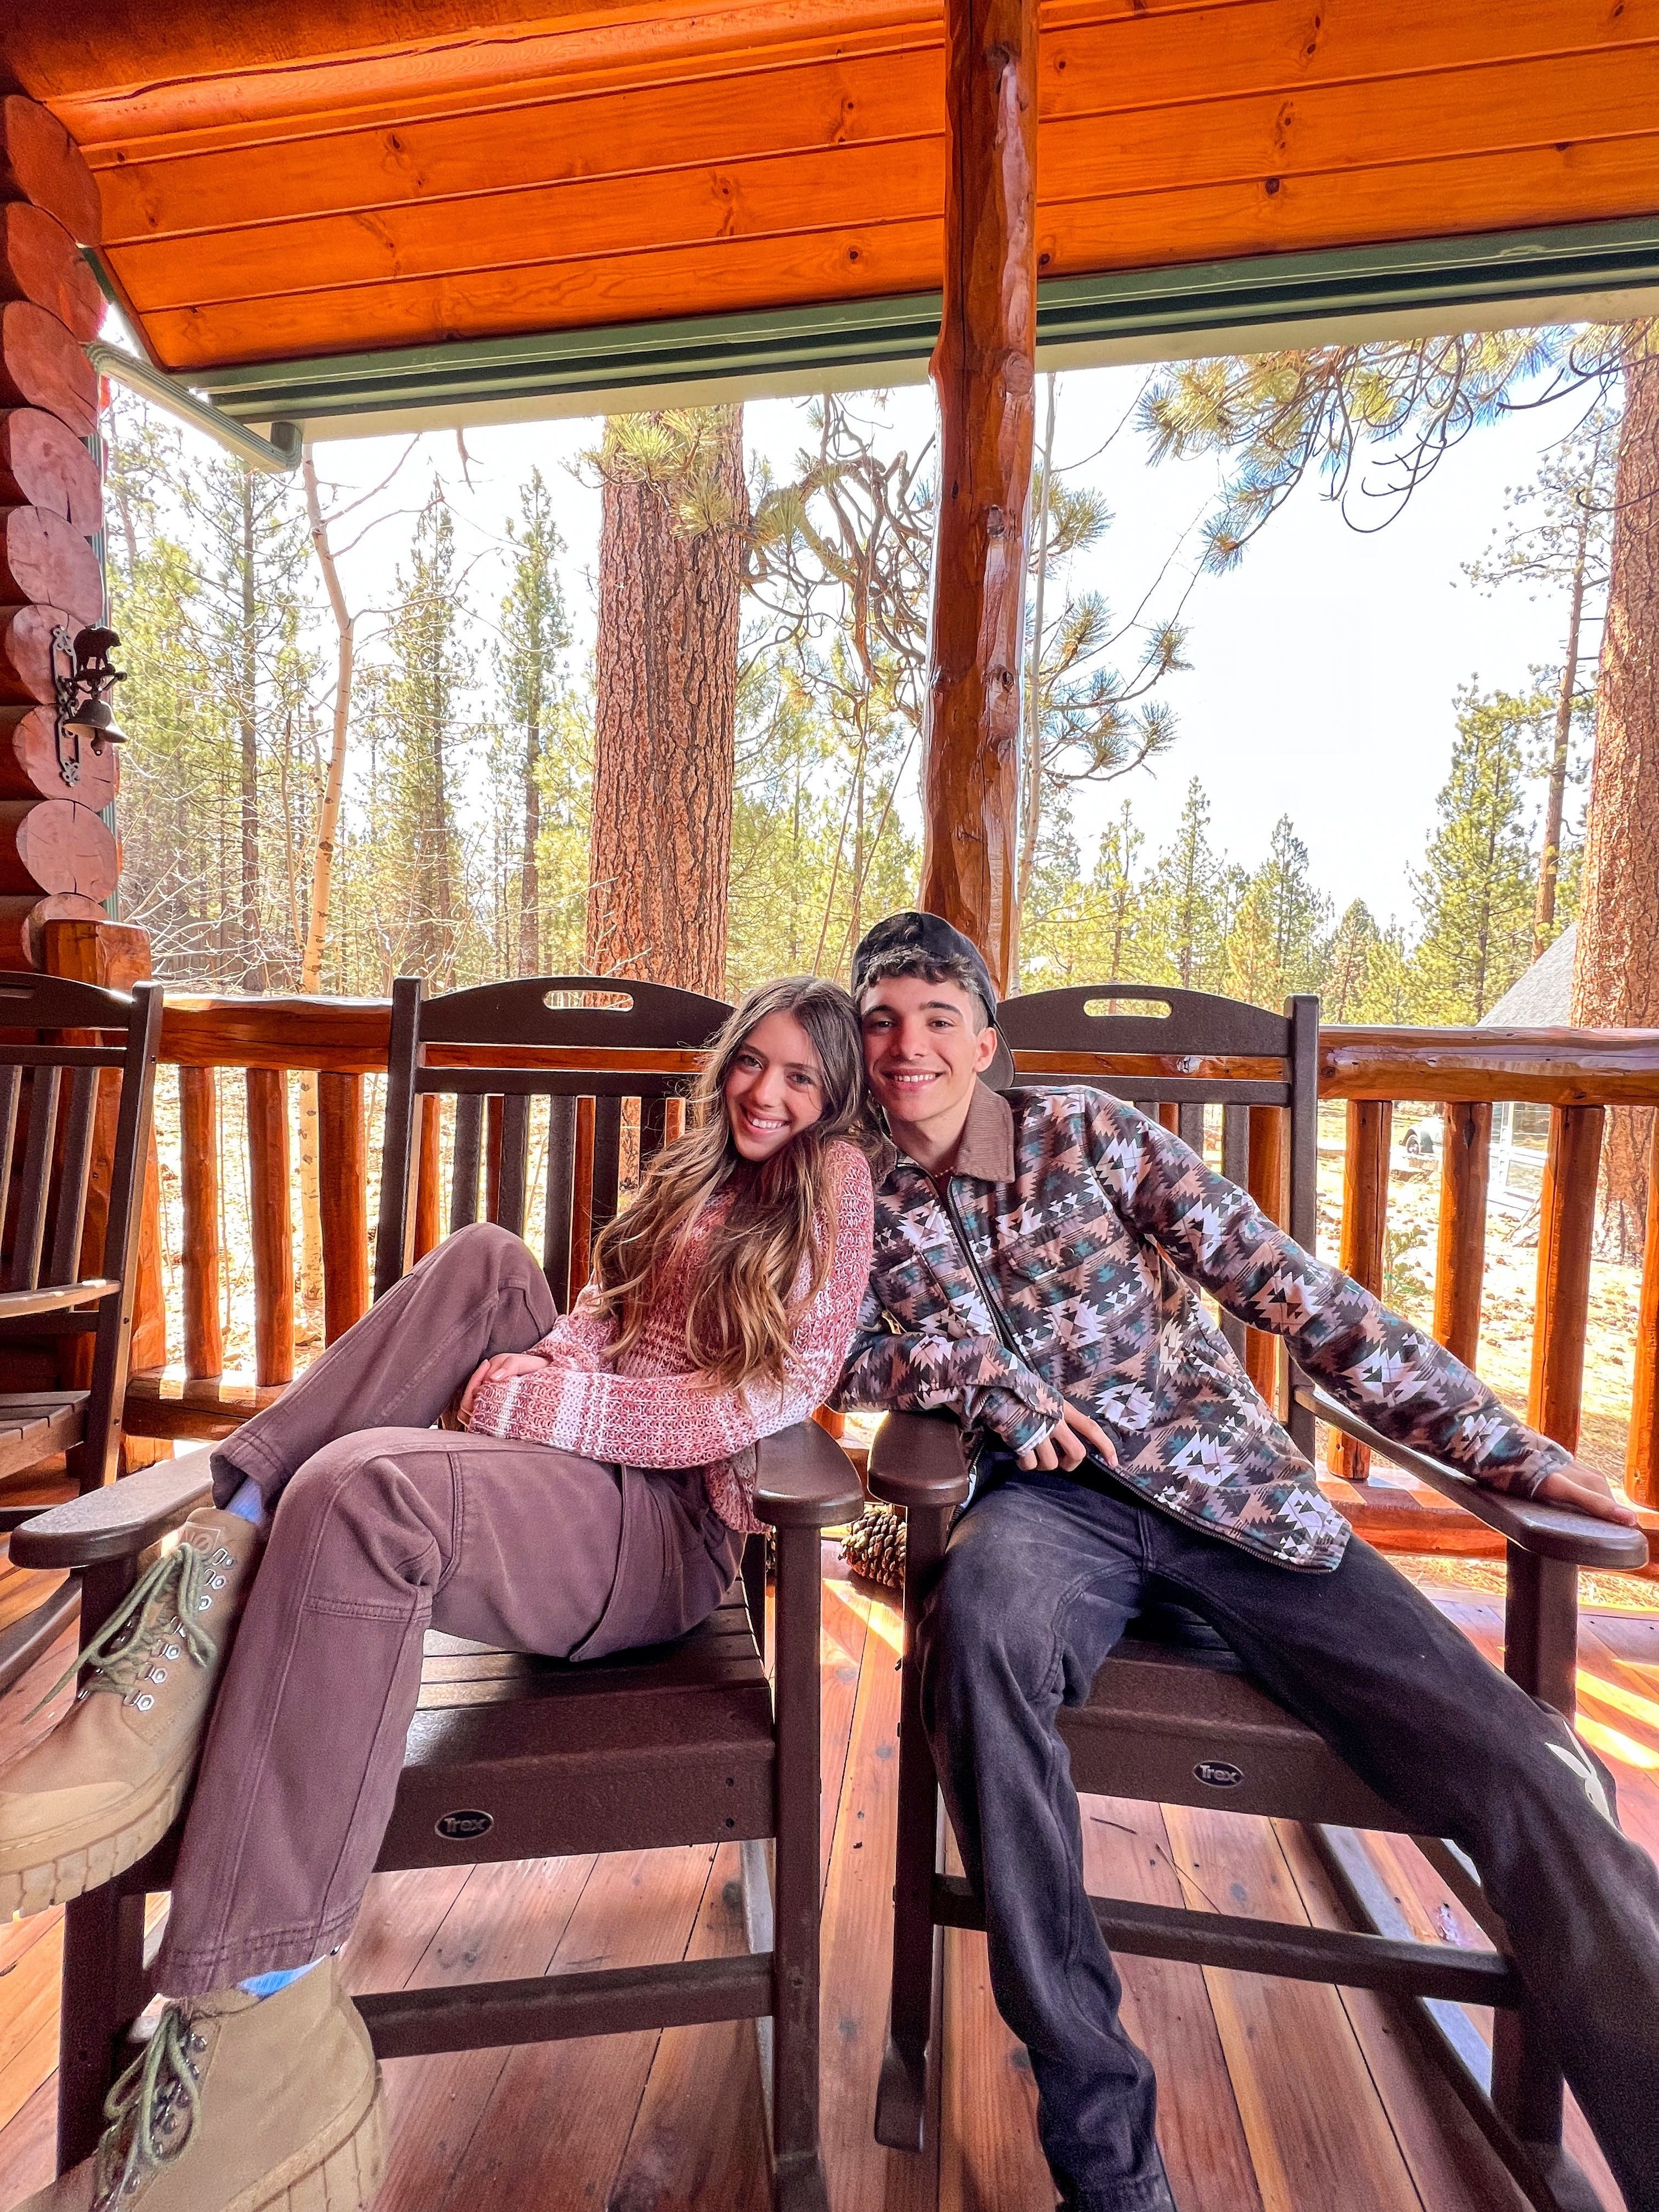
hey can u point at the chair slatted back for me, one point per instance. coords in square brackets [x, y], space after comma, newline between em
[1201, 1053]
[50, 1076]
[604, 1055]
[64, 1048]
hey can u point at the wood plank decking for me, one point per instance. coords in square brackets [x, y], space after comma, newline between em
[1277, 2096]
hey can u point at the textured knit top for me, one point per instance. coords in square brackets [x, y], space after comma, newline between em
[649, 1408]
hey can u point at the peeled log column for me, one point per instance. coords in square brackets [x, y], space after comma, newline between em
[48, 561]
[40, 162]
[1461, 1246]
[43, 463]
[1642, 1445]
[55, 845]
[1566, 1233]
[29, 766]
[40, 261]
[1364, 1235]
[983, 368]
[26, 652]
[43, 365]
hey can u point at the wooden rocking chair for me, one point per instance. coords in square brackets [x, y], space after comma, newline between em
[512, 1757]
[1162, 1717]
[77, 1063]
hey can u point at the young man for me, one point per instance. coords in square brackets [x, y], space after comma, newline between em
[1034, 1258]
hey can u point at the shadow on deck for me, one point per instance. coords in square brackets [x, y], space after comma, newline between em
[1276, 2096]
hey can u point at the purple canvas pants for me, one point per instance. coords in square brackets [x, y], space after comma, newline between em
[384, 1526]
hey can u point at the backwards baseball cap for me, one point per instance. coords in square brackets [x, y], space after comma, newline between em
[930, 941]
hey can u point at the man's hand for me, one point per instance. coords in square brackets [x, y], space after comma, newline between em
[1586, 1491]
[503, 1364]
[1069, 1444]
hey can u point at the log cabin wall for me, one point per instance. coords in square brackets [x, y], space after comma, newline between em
[58, 858]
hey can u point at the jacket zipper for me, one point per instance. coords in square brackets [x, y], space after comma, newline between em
[1004, 1326]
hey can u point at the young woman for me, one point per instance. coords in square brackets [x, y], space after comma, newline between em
[596, 1497]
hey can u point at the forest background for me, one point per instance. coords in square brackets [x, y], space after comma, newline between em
[365, 714]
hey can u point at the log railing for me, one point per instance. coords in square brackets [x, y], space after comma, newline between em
[1577, 1074]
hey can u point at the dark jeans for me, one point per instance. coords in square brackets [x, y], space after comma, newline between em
[1040, 1578]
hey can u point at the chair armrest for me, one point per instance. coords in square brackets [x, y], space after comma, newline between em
[917, 1459]
[804, 1480]
[1551, 1532]
[117, 1521]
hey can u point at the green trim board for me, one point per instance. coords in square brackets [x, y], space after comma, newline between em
[1586, 270]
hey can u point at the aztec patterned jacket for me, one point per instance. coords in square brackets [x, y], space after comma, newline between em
[1080, 1218]
[650, 1409]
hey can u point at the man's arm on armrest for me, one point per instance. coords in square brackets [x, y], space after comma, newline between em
[804, 1480]
[917, 1459]
[1550, 1531]
[117, 1521]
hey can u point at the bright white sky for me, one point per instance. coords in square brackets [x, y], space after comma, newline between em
[1323, 668]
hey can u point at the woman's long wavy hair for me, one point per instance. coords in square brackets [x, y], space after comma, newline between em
[768, 1258]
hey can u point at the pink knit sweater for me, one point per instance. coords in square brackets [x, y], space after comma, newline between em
[649, 1409]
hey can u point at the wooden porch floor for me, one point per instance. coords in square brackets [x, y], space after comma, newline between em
[1277, 2096]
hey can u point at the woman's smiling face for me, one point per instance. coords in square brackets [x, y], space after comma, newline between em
[776, 1088]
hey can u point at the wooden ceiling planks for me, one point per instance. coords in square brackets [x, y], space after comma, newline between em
[295, 198]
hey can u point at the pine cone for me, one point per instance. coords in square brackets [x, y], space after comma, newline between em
[874, 1547]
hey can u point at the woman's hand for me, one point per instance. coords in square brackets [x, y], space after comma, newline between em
[1069, 1444]
[1586, 1491]
[498, 1369]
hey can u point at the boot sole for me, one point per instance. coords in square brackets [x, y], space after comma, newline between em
[69, 1874]
[338, 2170]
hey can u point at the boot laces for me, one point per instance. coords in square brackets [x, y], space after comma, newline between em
[152, 2109]
[157, 1618]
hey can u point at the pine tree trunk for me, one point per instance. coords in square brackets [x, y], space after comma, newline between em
[1549, 864]
[530, 879]
[322, 880]
[665, 734]
[1615, 983]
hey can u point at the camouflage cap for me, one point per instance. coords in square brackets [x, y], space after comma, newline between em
[928, 937]
[923, 937]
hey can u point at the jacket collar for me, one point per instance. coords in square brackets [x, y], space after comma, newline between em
[986, 1148]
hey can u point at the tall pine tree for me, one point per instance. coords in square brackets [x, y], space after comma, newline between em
[1476, 890]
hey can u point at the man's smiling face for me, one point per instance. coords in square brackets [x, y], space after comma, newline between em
[925, 1044]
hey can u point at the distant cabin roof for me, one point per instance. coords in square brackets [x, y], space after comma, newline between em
[1539, 999]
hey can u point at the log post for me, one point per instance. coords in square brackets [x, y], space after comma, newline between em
[1268, 1160]
[272, 1224]
[1566, 1230]
[1461, 1242]
[199, 1179]
[1642, 1449]
[582, 1196]
[343, 1162]
[1364, 1227]
[984, 369]
[429, 1197]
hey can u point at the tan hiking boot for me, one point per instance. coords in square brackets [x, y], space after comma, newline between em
[92, 1797]
[241, 2103]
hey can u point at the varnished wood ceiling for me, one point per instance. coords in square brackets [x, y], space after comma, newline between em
[291, 179]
